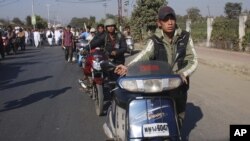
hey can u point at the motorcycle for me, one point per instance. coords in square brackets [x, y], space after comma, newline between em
[130, 44]
[141, 107]
[81, 52]
[97, 77]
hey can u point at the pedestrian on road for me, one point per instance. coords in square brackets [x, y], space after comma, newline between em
[168, 42]
[21, 38]
[68, 43]
[37, 38]
[58, 35]
[50, 35]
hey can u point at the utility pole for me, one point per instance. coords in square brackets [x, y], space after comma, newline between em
[208, 11]
[105, 8]
[33, 16]
[120, 12]
[48, 5]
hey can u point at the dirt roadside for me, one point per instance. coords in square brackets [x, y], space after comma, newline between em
[236, 62]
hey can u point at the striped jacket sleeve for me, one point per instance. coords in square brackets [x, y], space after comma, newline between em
[190, 58]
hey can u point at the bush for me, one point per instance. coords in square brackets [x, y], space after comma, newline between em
[226, 30]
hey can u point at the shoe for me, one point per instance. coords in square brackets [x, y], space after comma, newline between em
[83, 83]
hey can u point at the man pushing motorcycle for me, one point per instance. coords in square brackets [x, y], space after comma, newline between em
[173, 45]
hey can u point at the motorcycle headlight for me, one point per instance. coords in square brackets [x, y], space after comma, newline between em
[153, 85]
[96, 65]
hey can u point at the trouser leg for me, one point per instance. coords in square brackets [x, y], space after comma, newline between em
[180, 98]
[70, 53]
[66, 53]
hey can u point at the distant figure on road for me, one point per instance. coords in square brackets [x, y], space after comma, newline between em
[37, 38]
[50, 36]
[68, 43]
[58, 36]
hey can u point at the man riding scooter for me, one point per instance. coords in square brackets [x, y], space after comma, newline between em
[174, 45]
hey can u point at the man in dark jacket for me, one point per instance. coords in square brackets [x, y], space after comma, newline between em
[168, 43]
[112, 41]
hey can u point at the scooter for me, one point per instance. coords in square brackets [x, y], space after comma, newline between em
[130, 44]
[141, 107]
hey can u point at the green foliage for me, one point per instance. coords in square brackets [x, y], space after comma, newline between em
[199, 30]
[232, 10]
[28, 21]
[144, 16]
[194, 13]
[3, 22]
[79, 22]
[17, 21]
[226, 30]
[41, 23]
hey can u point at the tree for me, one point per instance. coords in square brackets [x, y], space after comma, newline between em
[17, 21]
[3, 22]
[194, 13]
[224, 30]
[144, 16]
[41, 23]
[28, 21]
[233, 10]
[79, 22]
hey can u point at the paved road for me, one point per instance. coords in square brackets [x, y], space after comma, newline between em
[40, 100]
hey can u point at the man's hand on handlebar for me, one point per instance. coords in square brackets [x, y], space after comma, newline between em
[121, 70]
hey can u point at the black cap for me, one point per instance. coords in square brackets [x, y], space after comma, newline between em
[164, 11]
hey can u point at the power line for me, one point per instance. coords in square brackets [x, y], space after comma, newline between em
[81, 1]
[7, 2]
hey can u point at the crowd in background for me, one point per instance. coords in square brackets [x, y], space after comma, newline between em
[14, 39]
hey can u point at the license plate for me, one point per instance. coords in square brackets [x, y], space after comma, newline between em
[155, 130]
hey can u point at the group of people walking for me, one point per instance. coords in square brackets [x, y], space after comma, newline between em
[13, 38]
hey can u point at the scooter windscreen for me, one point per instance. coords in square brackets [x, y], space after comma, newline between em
[149, 77]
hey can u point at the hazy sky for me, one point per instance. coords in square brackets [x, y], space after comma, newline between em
[64, 11]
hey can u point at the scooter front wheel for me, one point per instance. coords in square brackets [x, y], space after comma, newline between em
[98, 94]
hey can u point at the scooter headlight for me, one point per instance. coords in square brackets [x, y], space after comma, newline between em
[152, 85]
[97, 65]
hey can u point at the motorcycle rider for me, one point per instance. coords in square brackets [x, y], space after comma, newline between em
[100, 29]
[168, 42]
[126, 31]
[91, 35]
[112, 42]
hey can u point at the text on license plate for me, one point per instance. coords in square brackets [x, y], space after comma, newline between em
[155, 130]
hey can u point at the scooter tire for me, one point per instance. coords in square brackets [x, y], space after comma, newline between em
[99, 96]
